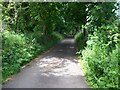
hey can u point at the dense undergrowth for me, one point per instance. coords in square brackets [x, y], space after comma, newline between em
[100, 57]
[19, 49]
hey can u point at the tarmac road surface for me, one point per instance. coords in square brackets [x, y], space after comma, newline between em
[57, 68]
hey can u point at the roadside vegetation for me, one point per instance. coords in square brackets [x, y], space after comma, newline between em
[100, 55]
[32, 28]
[23, 38]
[19, 49]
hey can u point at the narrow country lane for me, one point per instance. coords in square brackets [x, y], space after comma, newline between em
[58, 68]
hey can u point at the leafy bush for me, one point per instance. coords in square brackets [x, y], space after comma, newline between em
[19, 49]
[102, 69]
[101, 56]
[80, 40]
[57, 36]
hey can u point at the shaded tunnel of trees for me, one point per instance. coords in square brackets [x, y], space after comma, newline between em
[65, 18]
[30, 28]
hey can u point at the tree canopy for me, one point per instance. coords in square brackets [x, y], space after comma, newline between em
[95, 25]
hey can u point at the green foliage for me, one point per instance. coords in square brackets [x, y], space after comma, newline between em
[48, 17]
[57, 36]
[101, 55]
[19, 49]
[40, 24]
[31, 31]
[102, 69]
[80, 40]
[102, 13]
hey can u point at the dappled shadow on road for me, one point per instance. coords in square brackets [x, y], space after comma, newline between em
[60, 61]
[59, 66]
